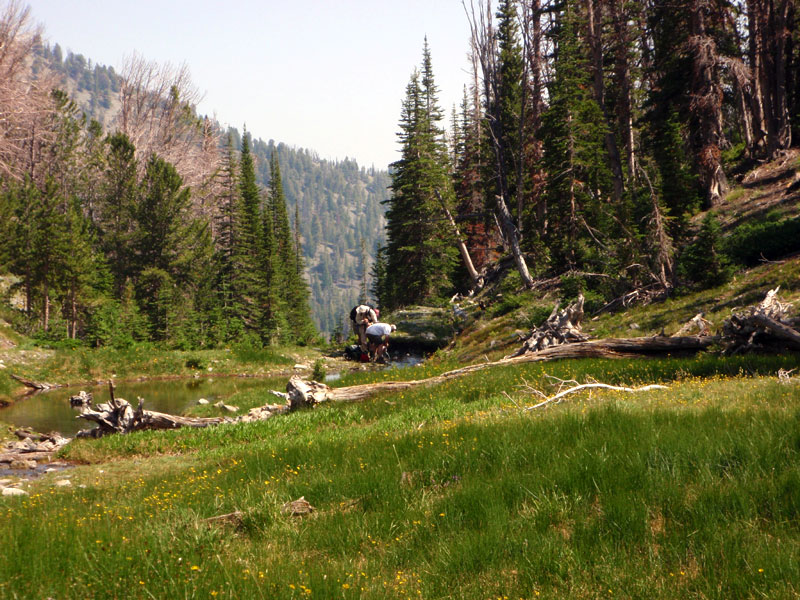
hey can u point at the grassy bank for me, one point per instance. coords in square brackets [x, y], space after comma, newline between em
[450, 491]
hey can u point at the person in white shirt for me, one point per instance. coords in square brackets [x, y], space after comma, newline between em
[378, 337]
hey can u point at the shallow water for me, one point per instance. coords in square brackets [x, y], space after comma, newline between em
[399, 361]
[50, 411]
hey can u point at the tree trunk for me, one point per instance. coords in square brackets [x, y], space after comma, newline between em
[462, 246]
[706, 107]
[73, 315]
[46, 300]
[768, 26]
[594, 13]
[780, 35]
[623, 75]
[664, 263]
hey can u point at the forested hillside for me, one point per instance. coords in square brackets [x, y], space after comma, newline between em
[592, 137]
[338, 202]
[127, 216]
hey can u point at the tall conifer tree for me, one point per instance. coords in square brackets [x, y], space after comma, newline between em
[229, 271]
[420, 253]
[252, 245]
[291, 287]
[573, 133]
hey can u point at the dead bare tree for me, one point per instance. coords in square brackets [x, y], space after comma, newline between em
[664, 264]
[25, 105]
[157, 113]
[706, 105]
[484, 48]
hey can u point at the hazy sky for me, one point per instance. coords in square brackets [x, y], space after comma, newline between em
[328, 75]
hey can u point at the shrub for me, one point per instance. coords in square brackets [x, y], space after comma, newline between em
[319, 372]
[506, 305]
[572, 285]
[770, 239]
[116, 324]
[702, 261]
[195, 362]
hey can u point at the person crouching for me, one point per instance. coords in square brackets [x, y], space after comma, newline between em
[378, 338]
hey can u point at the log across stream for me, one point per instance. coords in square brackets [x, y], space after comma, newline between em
[119, 416]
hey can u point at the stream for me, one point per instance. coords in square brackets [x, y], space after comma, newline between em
[50, 410]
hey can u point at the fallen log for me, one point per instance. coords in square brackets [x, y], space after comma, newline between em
[608, 348]
[779, 329]
[35, 385]
[561, 327]
[117, 416]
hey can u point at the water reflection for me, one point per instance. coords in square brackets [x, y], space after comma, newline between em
[50, 411]
[398, 361]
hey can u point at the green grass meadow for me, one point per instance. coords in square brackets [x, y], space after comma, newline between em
[448, 491]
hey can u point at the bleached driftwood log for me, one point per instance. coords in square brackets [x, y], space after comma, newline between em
[701, 324]
[118, 416]
[588, 386]
[35, 385]
[766, 326]
[561, 327]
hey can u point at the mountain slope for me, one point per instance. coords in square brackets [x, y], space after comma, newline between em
[338, 202]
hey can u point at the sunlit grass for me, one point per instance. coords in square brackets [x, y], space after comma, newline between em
[443, 491]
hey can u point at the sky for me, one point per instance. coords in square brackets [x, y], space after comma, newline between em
[326, 75]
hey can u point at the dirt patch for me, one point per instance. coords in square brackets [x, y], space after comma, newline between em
[10, 356]
[773, 186]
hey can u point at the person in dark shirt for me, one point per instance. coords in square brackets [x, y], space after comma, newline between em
[361, 317]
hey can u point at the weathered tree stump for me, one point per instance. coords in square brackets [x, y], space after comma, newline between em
[765, 326]
[561, 327]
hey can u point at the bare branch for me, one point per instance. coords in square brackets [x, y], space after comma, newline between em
[586, 386]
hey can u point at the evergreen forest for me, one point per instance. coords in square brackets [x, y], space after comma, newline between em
[589, 140]
[592, 135]
[81, 148]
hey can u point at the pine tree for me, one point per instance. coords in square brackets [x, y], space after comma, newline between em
[293, 290]
[420, 254]
[363, 261]
[667, 114]
[228, 223]
[84, 272]
[469, 186]
[252, 245]
[573, 133]
[172, 253]
[114, 215]
[508, 109]
[379, 285]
